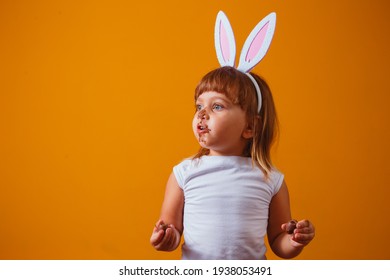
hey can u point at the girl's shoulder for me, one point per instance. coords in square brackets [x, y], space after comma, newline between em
[276, 178]
[185, 163]
[181, 169]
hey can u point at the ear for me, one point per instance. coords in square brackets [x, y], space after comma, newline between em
[249, 131]
[257, 43]
[225, 44]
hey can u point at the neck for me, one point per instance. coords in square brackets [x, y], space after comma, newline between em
[239, 151]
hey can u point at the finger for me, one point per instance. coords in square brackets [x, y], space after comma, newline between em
[169, 237]
[166, 242]
[303, 238]
[173, 237]
[306, 227]
[157, 229]
[157, 237]
[303, 223]
[304, 230]
[159, 223]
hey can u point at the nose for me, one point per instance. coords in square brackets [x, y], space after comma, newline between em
[202, 114]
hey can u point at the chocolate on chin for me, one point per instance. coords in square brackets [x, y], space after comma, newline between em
[291, 225]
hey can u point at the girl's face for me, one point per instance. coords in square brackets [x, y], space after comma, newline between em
[219, 125]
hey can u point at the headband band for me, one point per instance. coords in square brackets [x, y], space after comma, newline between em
[258, 92]
[253, 51]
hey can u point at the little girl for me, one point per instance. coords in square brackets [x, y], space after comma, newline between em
[227, 197]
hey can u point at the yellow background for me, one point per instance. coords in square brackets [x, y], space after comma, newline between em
[96, 101]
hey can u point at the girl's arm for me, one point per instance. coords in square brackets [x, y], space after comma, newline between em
[168, 229]
[283, 244]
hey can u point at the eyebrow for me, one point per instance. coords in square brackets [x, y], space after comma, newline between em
[223, 98]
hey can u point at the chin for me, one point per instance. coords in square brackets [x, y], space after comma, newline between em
[204, 145]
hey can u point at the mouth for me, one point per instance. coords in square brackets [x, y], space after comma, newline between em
[202, 129]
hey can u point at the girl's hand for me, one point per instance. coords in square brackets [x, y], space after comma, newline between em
[165, 237]
[303, 233]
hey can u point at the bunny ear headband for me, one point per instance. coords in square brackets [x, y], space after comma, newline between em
[253, 51]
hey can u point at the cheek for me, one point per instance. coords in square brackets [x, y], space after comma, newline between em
[229, 122]
[233, 128]
[194, 124]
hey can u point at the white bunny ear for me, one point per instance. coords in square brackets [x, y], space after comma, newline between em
[257, 43]
[225, 44]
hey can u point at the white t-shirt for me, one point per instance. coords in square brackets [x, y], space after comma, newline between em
[226, 201]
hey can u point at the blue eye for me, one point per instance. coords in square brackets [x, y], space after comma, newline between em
[198, 107]
[217, 107]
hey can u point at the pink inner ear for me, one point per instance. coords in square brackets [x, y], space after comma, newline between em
[257, 43]
[224, 43]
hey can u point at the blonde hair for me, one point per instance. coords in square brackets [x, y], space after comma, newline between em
[241, 91]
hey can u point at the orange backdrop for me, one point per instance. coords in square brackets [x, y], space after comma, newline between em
[96, 101]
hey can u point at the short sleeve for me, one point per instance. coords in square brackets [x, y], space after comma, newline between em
[180, 172]
[276, 178]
